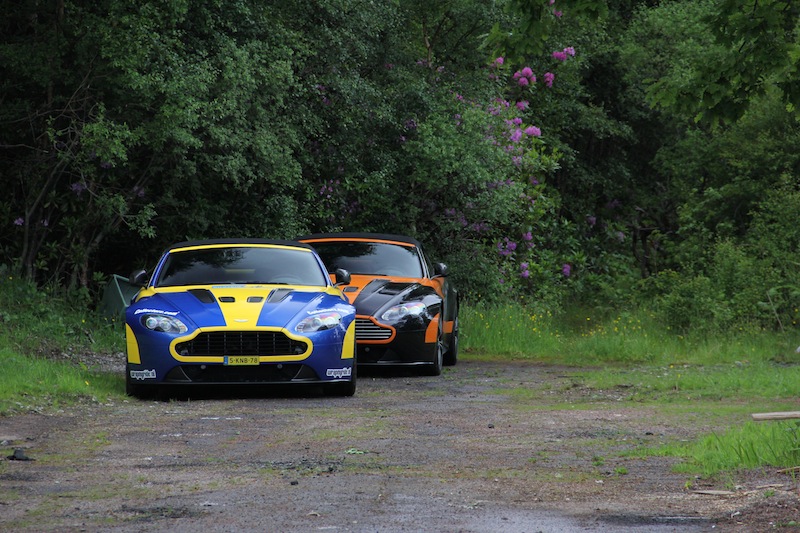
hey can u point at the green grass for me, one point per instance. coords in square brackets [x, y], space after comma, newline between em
[748, 446]
[38, 384]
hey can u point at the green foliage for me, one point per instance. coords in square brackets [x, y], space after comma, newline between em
[128, 127]
[43, 322]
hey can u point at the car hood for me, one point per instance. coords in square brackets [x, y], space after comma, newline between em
[240, 306]
[369, 294]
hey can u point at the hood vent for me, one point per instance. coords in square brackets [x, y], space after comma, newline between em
[278, 295]
[204, 295]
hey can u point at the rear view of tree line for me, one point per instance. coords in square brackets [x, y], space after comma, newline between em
[610, 153]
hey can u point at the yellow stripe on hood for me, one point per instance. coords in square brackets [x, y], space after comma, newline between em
[240, 313]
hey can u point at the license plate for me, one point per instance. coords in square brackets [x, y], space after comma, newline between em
[242, 360]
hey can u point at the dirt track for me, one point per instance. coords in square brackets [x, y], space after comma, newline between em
[485, 447]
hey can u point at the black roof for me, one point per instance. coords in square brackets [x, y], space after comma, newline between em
[362, 235]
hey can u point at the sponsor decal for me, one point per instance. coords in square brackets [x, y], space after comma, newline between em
[157, 311]
[143, 374]
[318, 311]
[345, 372]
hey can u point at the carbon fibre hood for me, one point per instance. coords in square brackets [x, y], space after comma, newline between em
[380, 292]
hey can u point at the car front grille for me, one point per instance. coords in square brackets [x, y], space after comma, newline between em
[222, 343]
[367, 330]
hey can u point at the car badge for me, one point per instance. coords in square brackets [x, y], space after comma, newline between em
[240, 320]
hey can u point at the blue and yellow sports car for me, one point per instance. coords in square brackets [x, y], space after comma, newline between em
[406, 306]
[245, 311]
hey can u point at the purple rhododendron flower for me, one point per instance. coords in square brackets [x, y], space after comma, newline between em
[566, 270]
[19, 221]
[570, 51]
[523, 266]
[592, 220]
[499, 61]
[557, 13]
[517, 135]
[524, 274]
[560, 56]
[527, 236]
[523, 82]
[533, 131]
[527, 72]
[523, 105]
[549, 78]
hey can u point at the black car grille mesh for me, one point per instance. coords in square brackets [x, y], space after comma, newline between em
[241, 343]
[367, 330]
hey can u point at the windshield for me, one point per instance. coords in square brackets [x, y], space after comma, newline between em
[380, 259]
[240, 265]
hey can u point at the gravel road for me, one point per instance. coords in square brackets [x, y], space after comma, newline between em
[507, 447]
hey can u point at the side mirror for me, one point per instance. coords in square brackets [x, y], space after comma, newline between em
[138, 278]
[440, 269]
[342, 277]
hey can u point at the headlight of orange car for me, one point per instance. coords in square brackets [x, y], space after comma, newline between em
[404, 310]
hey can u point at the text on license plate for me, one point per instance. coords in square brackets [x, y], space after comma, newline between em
[241, 360]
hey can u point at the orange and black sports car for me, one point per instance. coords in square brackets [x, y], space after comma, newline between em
[406, 307]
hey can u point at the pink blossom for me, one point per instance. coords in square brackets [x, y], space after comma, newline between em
[499, 61]
[533, 131]
[523, 82]
[517, 135]
[570, 51]
[549, 77]
[557, 13]
[516, 121]
[527, 72]
[566, 270]
[524, 274]
[559, 56]
[523, 105]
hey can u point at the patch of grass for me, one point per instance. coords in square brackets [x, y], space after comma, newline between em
[747, 446]
[36, 384]
[727, 375]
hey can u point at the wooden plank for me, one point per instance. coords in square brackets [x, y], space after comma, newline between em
[785, 415]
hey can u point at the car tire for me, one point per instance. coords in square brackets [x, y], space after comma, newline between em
[451, 357]
[435, 369]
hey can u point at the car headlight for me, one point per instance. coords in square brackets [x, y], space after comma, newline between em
[319, 322]
[163, 323]
[396, 312]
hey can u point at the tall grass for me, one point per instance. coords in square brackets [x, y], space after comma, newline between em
[581, 338]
